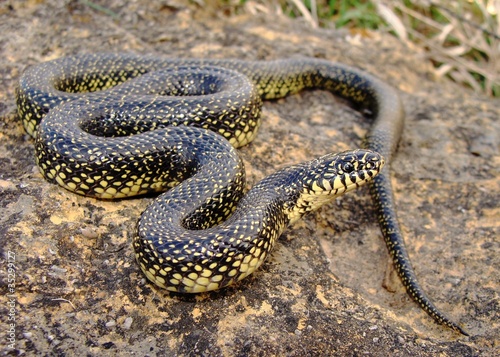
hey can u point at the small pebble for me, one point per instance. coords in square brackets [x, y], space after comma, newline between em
[89, 232]
[58, 270]
[111, 323]
[127, 323]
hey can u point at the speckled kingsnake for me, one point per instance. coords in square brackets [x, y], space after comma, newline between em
[184, 242]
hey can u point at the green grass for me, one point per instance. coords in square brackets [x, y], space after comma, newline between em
[355, 14]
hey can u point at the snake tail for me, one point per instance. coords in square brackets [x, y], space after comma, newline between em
[381, 187]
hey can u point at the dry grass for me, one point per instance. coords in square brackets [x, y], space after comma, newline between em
[461, 37]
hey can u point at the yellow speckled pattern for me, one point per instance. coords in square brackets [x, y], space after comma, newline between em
[121, 125]
[181, 259]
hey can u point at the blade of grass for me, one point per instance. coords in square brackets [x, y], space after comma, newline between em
[100, 8]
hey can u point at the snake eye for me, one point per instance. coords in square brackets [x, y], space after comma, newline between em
[348, 167]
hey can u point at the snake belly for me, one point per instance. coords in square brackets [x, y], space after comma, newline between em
[119, 125]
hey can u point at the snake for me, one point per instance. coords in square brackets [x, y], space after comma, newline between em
[115, 125]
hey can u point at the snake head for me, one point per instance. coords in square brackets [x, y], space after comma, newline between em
[348, 170]
[330, 176]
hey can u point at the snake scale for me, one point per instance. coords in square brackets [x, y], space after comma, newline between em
[118, 125]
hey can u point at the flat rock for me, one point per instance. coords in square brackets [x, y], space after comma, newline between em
[328, 288]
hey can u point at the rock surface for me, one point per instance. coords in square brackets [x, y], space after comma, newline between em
[328, 288]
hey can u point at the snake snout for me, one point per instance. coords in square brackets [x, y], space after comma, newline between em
[359, 162]
[370, 160]
[368, 164]
[355, 168]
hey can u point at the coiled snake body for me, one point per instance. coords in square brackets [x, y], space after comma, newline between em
[155, 123]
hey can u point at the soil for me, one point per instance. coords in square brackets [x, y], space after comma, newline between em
[328, 288]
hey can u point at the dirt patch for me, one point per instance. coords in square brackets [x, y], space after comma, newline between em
[328, 286]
